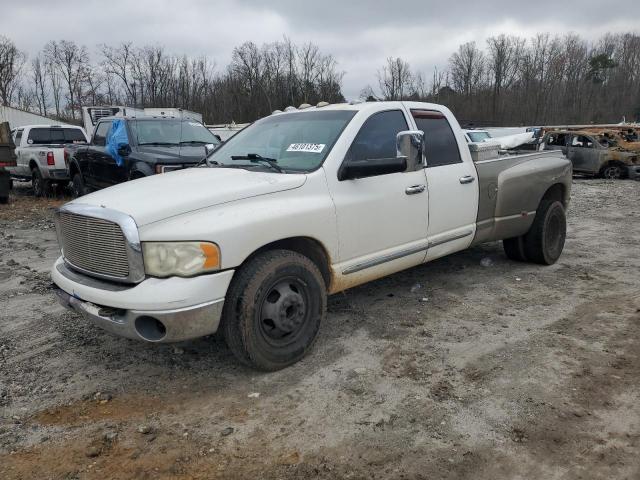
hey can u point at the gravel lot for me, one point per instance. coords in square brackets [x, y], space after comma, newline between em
[469, 367]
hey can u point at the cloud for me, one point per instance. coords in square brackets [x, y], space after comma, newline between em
[360, 34]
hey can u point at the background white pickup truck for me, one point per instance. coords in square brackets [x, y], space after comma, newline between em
[40, 152]
[296, 206]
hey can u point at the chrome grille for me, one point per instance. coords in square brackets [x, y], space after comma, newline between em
[93, 245]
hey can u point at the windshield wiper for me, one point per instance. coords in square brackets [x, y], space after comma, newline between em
[199, 142]
[255, 158]
[158, 143]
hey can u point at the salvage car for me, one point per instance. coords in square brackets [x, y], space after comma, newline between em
[297, 206]
[40, 153]
[599, 152]
[127, 148]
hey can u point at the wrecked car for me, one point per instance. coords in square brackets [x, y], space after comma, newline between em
[299, 205]
[606, 153]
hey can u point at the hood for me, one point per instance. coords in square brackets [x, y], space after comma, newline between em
[158, 197]
[170, 154]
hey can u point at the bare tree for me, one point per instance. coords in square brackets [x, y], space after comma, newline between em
[11, 62]
[467, 67]
[505, 54]
[395, 79]
[40, 86]
[71, 61]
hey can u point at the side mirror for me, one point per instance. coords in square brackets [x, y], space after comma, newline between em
[210, 147]
[410, 144]
[124, 149]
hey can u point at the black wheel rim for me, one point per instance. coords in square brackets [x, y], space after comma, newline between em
[284, 311]
[612, 173]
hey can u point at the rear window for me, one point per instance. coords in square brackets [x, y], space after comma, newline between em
[51, 136]
[441, 144]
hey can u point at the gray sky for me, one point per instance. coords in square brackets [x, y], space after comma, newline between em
[359, 34]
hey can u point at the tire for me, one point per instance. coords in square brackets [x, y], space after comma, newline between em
[612, 171]
[273, 310]
[77, 185]
[41, 187]
[514, 248]
[544, 241]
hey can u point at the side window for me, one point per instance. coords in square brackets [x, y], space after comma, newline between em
[18, 138]
[557, 139]
[581, 142]
[377, 137]
[442, 147]
[100, 135]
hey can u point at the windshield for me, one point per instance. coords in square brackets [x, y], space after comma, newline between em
[52, 136]
[298, 142]
[478, 136]
[171, 132]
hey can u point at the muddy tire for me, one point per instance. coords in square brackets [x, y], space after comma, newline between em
[612, 171]
[514, 248]
[41, 187]
[544, 241]
[273, 310]
[77, 185]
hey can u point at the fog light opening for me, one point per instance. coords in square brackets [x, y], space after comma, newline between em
[150, 329]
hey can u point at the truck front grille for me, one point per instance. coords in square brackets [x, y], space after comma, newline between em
[93, 245]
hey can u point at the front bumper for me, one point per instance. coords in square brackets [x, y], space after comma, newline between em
[155, 310]
[152, 326]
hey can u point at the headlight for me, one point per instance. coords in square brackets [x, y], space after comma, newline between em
[184, 259]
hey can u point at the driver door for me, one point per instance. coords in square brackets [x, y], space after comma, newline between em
[382, 219]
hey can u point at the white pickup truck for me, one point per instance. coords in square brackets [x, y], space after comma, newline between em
[40, 152]
[297, 206]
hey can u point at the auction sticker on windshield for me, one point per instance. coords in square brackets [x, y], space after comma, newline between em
[306, 147]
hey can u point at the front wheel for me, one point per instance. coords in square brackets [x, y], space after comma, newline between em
[77, 185]
[273, 309]
[613, 171]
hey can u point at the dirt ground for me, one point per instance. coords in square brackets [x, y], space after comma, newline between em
[472, 366]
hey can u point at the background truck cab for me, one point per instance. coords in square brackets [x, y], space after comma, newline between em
[126, 148]
[40, 154]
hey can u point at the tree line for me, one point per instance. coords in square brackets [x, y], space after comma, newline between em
[510, 80]
[544, 80]
[63, 77]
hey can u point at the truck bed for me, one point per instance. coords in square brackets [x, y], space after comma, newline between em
[510, 188]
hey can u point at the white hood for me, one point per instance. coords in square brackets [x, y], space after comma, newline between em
[162, 196]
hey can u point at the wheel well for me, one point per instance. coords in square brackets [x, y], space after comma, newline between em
[32, 164]
[612, 163]
[309, 247]
[556, 192]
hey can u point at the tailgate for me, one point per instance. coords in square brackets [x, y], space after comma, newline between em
[44, 155]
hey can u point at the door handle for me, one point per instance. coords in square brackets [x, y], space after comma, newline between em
[467, 179]
[413, 189]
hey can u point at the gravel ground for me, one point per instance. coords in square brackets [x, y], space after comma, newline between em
[472, 366]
